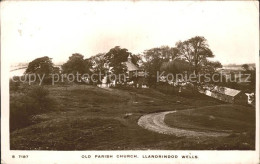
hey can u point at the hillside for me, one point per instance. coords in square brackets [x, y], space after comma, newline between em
[92, 118]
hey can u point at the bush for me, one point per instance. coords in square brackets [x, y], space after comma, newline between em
[14, 86]
[188, 91]
[41, 99]
[47, 80]
[24, 105]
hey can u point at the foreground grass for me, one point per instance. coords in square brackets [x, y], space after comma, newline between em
[239, 121]
[91, 118]
[233, 118]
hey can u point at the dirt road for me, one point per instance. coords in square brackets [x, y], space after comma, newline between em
[155, 122]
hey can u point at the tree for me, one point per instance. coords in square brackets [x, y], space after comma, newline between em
[209, 66]
[251, 72]
[99, 66]
[154, 59]
[195, 51]
[41, 66]
[176, 66]
[136, 59]
[152, 65]
[164, 53]
[168, 53]
[76, 64]
[252, 78]
[210, 74]
[245, 67]
[115, 58]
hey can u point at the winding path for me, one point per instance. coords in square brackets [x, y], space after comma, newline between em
[155, 122]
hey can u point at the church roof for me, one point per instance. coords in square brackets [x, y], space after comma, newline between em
[130, 66]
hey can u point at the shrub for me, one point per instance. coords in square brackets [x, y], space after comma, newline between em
[14, 86]
[24, 105]
[42, 99]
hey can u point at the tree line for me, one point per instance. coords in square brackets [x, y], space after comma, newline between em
[190, 56]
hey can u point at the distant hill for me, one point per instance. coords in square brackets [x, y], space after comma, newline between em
[19, 69]
[237, 66]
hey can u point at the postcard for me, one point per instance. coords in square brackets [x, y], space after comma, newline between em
[130, 82]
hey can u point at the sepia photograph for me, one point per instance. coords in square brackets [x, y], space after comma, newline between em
[130, 76]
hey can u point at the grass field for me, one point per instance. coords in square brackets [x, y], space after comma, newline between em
[234, 118]
[92, 118]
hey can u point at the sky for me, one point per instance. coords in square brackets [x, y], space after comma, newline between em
[60, 28]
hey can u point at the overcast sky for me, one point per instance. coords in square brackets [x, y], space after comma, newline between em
[59, 29]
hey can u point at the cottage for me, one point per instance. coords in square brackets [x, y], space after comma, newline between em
[228, 95]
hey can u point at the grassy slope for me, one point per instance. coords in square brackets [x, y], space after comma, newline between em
[224, 117]
[238, 120]
[92, 118]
